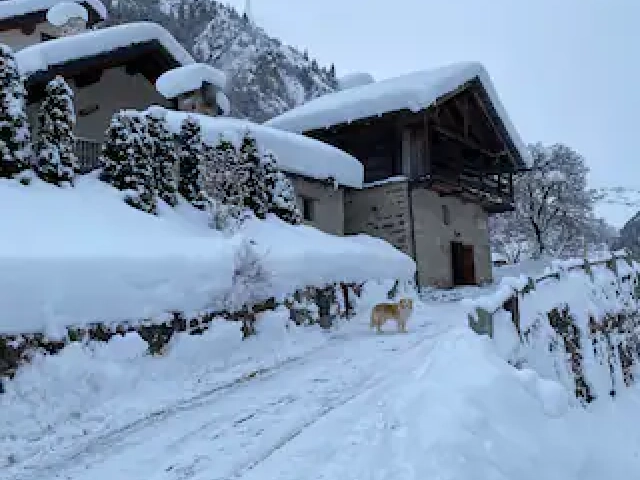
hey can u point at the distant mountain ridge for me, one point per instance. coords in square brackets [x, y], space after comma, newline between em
[266, 77]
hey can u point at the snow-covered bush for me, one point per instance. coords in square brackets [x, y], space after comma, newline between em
[55, 155]
[191, 154]
[281, 197]
[126, 160]
[164, 156]
[251, 280]
[15, 137]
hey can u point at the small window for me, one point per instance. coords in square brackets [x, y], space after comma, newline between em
[44, 37]
[308, 209]
[446, 217]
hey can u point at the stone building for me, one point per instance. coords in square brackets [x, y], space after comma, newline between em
[439, 154]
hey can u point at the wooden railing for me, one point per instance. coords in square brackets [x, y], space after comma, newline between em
[88, 154]
[481, 319]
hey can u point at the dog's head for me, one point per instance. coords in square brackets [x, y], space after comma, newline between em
[406, 304]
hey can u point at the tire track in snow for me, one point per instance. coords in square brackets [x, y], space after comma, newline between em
[106, 445]
[389, 374]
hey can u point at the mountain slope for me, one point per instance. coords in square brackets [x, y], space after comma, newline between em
[266, 77]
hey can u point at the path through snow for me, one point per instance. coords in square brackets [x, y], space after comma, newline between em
[232, 429]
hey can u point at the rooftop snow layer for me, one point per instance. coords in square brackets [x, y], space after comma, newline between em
[295, 153]
[62, 12]
[415, 91]
[42, 56]
[189, 78]
[355, 80]
[17, 8]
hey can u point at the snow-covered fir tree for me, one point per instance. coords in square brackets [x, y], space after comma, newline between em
[164, 156]
[55, 153]
[15, 137]
[126, 160]
[191, 155]
[250, 175]
[280, 192]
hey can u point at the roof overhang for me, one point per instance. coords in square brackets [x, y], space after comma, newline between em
[150, 59]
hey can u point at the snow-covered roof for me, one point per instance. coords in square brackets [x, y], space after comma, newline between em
[295, 153]
[189, 78]
[415, 92]
[17, 8]
[62, 12]
[42, 56]
[357, 79]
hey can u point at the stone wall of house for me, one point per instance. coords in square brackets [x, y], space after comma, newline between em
[467, 223]
[380, 211]
[115, 91]
[327, 204]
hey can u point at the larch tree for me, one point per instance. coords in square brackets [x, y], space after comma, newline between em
[191, 157]
[15, 136]
[126, 160]
[56, 161]
[164, 156]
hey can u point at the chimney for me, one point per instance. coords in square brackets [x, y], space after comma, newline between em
[67, 18]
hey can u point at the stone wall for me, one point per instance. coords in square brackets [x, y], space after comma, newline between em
[382, 211]
[327, 203]
[467, 223]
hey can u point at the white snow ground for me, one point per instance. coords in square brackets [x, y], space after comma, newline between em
[437, 403]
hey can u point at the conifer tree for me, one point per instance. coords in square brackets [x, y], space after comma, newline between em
[55, 155]
[280, 192]
[126, 160]
[191, 153]
[250, 175]
[164, 157]
[15, 137]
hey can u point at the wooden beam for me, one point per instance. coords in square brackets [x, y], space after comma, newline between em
[427, 144]
[480, 103]
[466, 142]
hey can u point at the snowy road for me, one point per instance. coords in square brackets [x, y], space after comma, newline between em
[230, 431]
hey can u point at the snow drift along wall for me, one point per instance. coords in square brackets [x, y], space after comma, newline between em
[578, 324]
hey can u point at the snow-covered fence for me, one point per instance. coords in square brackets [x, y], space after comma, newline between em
[578, 323]
[511, 291]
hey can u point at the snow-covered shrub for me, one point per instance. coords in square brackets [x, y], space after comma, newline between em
[164, 156]
[251, 282]
[15, 137]
[281, 196]
[126, 160]
[55, 155]
[191, 152]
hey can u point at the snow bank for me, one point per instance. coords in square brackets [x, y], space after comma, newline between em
[301, 256]
[42, 56]
[16, 8]
[189, 78]
[415, 92]
[78, 255]
[72, 256]
[62, 12]
[295, 153]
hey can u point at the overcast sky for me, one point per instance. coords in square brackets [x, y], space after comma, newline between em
[566, 70]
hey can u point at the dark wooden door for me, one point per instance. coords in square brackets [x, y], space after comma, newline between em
[462, 264]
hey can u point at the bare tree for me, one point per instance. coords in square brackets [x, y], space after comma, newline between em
[554, 208]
